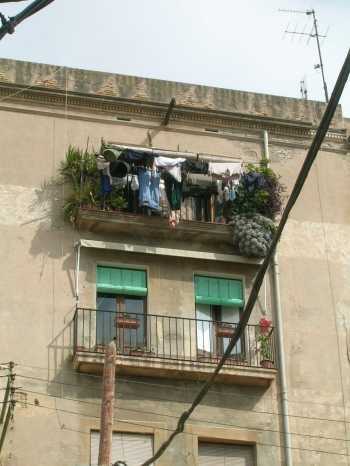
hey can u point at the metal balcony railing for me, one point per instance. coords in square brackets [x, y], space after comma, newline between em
[170, 338]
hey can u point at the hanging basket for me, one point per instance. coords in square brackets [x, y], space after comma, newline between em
[224, 331]
[127, 322]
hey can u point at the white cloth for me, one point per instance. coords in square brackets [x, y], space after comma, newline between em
[225, 168]
[134, 185]
[172, 166]
[103, 165]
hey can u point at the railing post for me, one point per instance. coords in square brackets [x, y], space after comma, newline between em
[75, 331]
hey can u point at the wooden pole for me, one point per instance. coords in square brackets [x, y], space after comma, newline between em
[105, 448]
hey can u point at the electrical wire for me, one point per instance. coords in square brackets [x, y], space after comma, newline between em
[272, 413]
[331, 287]
[298, 186]
[202, 421]
[8, 26]
[138, 424]
[139, 382]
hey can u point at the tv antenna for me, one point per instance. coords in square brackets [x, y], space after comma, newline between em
[312, 34]
[303, 89]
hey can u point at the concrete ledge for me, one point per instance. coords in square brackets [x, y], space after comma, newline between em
[239, 374]
[173, 252]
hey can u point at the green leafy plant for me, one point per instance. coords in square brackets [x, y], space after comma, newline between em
[79, 171]
[259, 192]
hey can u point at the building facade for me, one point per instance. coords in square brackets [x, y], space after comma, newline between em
[168, 295]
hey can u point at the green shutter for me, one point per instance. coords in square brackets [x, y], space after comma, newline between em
[219, 291]
[121, 281]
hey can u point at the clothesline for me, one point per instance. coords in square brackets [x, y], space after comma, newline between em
[177, 154]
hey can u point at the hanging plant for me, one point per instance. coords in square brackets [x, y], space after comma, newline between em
[252, 234]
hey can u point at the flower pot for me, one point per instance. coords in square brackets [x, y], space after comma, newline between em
[224, 332]
[100, 348]
[80, 348]
[126, 322]
[267, 364]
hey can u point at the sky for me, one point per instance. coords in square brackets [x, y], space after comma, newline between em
[233, 44]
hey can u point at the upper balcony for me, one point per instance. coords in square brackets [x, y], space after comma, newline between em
[172, 347]
[173, 200]
[155, 228]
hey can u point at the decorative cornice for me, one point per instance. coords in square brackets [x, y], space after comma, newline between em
[218, 121]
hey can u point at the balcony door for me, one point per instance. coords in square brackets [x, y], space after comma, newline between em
[218, 305]
[215, 325]
[122, 318]
[121, 307]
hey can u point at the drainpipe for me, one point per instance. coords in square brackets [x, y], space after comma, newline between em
[77, 246]
[280, 340]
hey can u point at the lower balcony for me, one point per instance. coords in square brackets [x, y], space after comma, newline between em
[172, 347]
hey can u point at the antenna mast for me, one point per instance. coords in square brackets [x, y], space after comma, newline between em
[315, 35]
[303, 89]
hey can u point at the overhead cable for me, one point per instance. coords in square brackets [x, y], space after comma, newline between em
[9, 25]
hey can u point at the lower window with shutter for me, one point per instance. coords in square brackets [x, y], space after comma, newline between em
[133, 449]
[222, 454]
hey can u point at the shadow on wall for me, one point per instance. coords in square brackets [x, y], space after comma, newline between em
[52, 242]
[53, 238]
[60, 350]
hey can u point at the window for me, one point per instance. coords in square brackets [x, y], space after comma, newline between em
[133, 449]
[121, 307]
[222, 454]
[219, 302]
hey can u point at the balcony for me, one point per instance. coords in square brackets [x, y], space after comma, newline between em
[171, 347]
[151, 229]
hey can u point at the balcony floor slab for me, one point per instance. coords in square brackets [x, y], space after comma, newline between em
[240, 374]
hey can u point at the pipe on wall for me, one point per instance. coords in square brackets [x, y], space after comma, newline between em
[275, 271]
[77, 247]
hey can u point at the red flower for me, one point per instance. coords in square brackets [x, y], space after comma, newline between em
[264, 325]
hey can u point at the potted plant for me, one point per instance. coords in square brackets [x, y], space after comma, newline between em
[140, 350]
[99, 348]
[264, 340]
[224, 330]
[124, 321]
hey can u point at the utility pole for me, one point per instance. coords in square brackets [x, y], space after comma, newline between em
[107, 408]
[8, 405]
[312, 34]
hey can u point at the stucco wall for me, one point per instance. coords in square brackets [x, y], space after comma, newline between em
[37, 304]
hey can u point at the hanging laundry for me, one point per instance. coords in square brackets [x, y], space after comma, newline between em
[119, 168]
[119, 183]
[172, 166]
[232, 194]
[163, 202]
[134, 184]
[106, 186]
[196, 166]
[104, 167]
[131, 155]
[198, 184]
[226, 193]
[173, 191]
[220, 190]
[174, 218]
[225, 168]
[148, 188]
